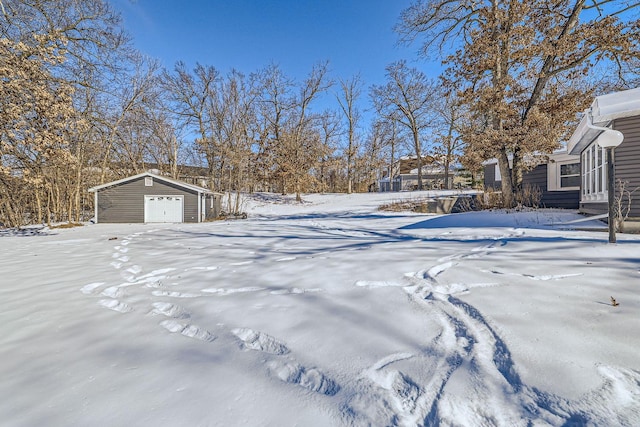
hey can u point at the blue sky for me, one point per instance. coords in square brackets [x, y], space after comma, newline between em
[353, 35]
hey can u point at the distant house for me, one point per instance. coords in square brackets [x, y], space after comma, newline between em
[558, 179]
[404, 176]
[619, 111]
[149, 197]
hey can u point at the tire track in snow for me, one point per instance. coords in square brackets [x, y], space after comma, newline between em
[469, 357]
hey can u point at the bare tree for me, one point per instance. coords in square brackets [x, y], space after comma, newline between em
[329, 133]
[516, 64]
[350, 91]
[292, 138]
[48, 48]
[234, 119]
[276, 102]
[406, 98]
[190, 96]
[381, 136]
[124, 118]
[449, 119]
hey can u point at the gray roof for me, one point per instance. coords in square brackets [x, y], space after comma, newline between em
[182, 184]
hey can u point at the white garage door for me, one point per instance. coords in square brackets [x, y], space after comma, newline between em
[163, 208]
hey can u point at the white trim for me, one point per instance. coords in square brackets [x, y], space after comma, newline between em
[191, 187]
[593, 174]
[497, 175]
[554, 168]
[95, 206]
[605, 109]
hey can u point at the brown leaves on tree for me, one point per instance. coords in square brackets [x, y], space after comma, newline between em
[522, 67]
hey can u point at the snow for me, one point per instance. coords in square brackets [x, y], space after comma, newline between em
[328, 312]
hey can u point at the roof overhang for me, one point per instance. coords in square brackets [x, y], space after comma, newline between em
[186, 186]
[604, 110]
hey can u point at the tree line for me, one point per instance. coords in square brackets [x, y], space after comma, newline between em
[81, 107]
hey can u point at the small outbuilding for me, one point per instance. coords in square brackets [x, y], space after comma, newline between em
[148, 197]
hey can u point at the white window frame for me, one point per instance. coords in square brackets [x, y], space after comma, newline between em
[148, 181]
[594, 174]
[554, 175]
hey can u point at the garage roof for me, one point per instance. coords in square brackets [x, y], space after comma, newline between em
[182, 184]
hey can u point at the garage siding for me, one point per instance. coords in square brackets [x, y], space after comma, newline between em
[124, 203]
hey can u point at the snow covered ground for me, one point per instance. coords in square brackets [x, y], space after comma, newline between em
[325, 313]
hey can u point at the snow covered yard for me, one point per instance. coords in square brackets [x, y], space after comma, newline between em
[321, 314]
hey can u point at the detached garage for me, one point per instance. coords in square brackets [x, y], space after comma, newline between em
[148, 197]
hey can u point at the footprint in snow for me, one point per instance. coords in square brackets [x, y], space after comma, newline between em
[551, 277]
[112, 292]
[310, 378]
[388, 395]
[202, 268]
[89, 288]
[259, 341]
[134, 269]
[156, 273]
[295, 291]
[115, 305]
[188, 330]
[229, 291]
[434, 271]
[170, 310]
[174, 294]
[534, 277]
[376, 284]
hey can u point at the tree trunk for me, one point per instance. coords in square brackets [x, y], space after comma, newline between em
[416, 143]
[507, 183]
[517, 172]
[446, 173]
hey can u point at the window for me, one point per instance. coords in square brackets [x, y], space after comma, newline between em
[563, 173]
[148, 181]
[594, 174]
[570, 175]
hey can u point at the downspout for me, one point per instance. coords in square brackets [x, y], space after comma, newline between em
[608, 139]
[95, 205]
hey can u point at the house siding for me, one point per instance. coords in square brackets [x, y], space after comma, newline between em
[627, 161]
[537, 177]
[490, 177]
[124, 203]
[627, 158]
